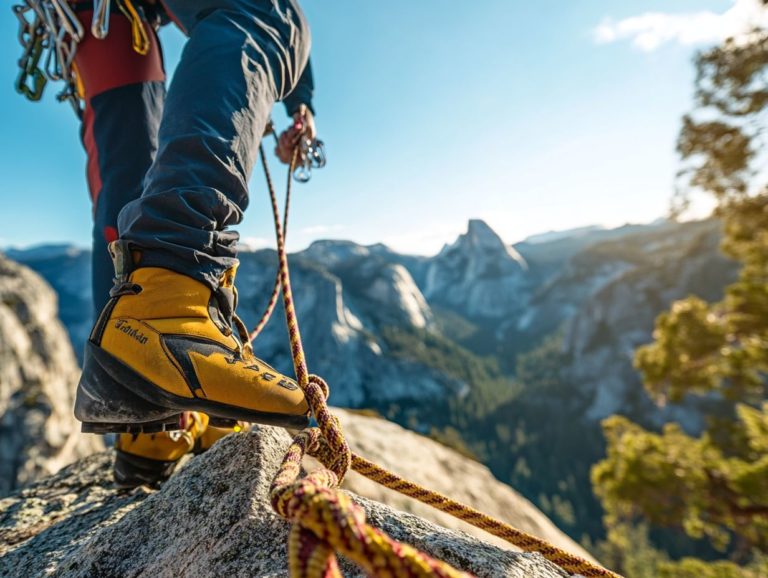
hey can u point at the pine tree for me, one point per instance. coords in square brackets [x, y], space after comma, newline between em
[713, 486]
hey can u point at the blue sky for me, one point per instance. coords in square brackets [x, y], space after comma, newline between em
[533, 115]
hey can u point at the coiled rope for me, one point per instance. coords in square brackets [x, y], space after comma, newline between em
[324, 520]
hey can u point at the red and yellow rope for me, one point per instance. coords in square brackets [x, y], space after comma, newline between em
[325, 520]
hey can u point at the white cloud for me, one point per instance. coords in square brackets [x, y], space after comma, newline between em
[651, 30]
[254, 243]
[426, 241]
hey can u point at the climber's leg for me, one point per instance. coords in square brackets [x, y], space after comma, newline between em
[123, 105]
[242, 56]
[164, 341]
[124, 94]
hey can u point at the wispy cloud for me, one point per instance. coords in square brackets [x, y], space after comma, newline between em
[650, 30]
[254, 243]
[426, 241]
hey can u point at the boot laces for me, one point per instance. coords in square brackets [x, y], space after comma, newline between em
[245, 338]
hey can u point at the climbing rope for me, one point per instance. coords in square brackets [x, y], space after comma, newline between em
[325, 520]
[275, 211]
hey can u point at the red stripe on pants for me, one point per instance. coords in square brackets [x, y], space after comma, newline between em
[106, 64]
[89, 141]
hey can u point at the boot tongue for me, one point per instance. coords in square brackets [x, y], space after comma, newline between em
[224, 301]
[122, 259]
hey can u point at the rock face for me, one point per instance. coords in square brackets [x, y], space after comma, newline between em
[344, 306]
[68, 270]
[211, 519]
[440, 468]
[38, 373]
[601, 338]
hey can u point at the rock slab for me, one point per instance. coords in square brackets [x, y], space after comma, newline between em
[211, 519]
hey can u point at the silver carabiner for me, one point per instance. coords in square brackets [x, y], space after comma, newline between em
[65, 52]
[100, 22]
[27, 28]
[52, 66]
[311, 156]
[69, 20]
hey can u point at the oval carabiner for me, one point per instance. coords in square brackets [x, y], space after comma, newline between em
[100, 21]
[30, 68]
[302, 173]
[317, 153]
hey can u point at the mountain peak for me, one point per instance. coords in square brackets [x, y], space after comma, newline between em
[480, 231]
[481, 239]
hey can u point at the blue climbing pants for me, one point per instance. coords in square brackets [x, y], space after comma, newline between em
[169, 171]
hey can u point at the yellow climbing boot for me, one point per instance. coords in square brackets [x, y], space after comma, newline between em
[164, 345]
[150, 459]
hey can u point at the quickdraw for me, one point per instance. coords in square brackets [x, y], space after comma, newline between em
[49, 33]
[31, 80]
[139, 36]
[50, 27]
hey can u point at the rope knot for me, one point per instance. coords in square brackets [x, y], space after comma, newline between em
[322, 384]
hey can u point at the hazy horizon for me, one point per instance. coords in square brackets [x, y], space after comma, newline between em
[244, 246]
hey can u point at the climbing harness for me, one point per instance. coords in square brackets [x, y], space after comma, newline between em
[325, 521]
[49, 33]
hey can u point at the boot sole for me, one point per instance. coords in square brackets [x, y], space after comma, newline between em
[149, 427]
[112, 397]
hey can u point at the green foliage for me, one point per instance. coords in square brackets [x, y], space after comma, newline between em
[486, 383]
[693, 568]
[534, 443]
[726, 153]
[675, 480]
[716, 485]
[722, 347]
[449, 322]
[685, 356]
[627, 549]
[720, 152]
[539, 370]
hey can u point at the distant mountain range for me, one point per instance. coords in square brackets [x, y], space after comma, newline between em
[435, 342]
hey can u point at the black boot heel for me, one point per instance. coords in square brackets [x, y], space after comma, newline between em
[105, 406]
[221, 422]
[132, 471]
